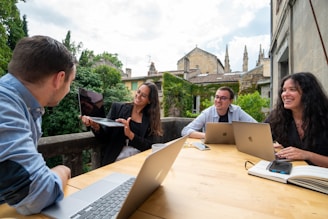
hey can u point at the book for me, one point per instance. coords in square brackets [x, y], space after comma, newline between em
[307, 176]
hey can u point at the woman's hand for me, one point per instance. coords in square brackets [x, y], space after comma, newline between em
[293, 153]
[127, 131]
[88, 122]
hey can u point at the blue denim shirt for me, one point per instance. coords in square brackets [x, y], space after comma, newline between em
[26, 183]
[235, 113]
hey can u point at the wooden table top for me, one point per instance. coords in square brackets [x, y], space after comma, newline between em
[209, 184]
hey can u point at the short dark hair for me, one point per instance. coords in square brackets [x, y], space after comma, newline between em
[232, 94]
[35, 58]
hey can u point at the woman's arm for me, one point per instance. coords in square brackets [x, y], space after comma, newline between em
[299, 154]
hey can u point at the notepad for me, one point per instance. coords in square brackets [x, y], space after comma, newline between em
[307, 176]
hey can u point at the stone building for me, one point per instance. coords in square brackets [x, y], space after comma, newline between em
[299, 40]
[257, 78]
[201, 67]
[197, 58]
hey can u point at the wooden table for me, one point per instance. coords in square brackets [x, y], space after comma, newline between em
[209, 184]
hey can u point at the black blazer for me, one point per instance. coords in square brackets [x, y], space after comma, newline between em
[114, 137]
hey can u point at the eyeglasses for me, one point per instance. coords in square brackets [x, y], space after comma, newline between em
[143, 95]
[223, 98]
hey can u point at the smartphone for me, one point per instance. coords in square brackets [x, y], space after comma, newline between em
[282, 167]
[201, 146]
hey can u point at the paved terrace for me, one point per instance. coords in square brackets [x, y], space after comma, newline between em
[71, 146]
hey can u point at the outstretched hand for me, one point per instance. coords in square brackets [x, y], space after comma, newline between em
[89, 122]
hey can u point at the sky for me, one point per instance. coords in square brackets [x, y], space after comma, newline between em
[158, 31]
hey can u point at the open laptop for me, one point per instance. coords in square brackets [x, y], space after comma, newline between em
[91, 104]
[151, 175]
[219, 133]
[254, 139]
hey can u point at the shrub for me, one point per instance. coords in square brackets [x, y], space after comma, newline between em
[254, 105]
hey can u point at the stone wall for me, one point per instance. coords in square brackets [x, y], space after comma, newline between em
[71, 146]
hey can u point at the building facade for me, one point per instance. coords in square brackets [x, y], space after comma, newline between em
[203, 68]
[197, 58]
[299, 40]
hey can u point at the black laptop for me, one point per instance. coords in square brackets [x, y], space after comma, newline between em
[92, 104]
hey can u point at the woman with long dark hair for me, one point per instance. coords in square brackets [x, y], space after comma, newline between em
[142, 123]
[299, 121]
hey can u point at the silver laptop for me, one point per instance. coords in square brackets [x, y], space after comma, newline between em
[91, 104]
[219, 133]
[151, 175]
[254, 139]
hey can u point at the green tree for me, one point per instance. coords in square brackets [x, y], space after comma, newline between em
[86, 58]
[63, 119]
[113, 88]
[254, 105]
[14, 26]
[87, 78]
[11, 31]
[108, 75]
[72, 46]
[112, 58]
[25, 28]
[116, 93]
[105, 79]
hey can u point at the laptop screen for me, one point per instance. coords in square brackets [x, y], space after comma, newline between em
[91, 103]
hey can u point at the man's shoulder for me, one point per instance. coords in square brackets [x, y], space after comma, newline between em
[11, 86]
[234, 107]
[209, 109]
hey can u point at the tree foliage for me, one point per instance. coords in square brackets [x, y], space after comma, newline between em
[254, 105]
[112, 87]
[108, 57]
[177, 98]
[63, 119]
[72, 46]
[108, 75]
[104, 79]
[86, 58]
[11, 31]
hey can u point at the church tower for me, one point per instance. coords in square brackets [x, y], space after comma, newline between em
[261, 56]
[245, 60]
[226, 62]
[152, 69]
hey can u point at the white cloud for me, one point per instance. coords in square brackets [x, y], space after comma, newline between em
[153, 30]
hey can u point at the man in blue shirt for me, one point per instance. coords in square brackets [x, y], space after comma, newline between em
[221, 111]
[40, 74]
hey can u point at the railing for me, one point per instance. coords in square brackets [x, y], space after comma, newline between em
[71, 146]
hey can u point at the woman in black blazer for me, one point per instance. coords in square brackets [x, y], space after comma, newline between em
[141, 119]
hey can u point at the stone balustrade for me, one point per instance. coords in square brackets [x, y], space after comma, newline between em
[71, 146]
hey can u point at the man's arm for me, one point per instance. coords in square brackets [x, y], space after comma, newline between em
[194, 129]
[63, 172]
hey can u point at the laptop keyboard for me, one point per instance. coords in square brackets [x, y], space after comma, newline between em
[108, 205]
